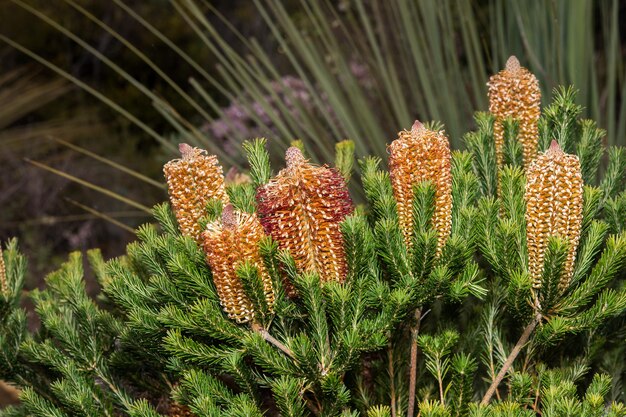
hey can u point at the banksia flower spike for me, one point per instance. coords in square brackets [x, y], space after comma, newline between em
[514, 92]
[554, 205]
[227, 243]
[192, 181]
[301, 208]
[4, 287]
[422, 155]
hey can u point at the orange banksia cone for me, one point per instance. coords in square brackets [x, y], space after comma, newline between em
[554, 206]
[192, 181]
[227, 243]
[514, 92]
[422, 155]
[301, 209]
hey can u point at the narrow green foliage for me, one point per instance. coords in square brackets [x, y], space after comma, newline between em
[391, 249]
[242, 197]
[522, 387]
[592, 204]
[437, 351]
[423, 206]
[165, 216]
[589, 249]
[465, 188]
[434, 409]
[344, 158]
[615, 213]
[259, 160]
[253, 286]
[615, 176]
[513, 150]
[518, 295]
[214, 210]
[377, 187]
[589, 150]
[360, 248]
[554, 261]
[562, 119]
[611, 261]
[480, 144]
[512, 183]
[460, 391]
[379, 411]
[288, 394]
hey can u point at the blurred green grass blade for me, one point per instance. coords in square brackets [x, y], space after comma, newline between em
[90, 185]
[112, 104]
[101, 215]
[141, 56]
[111, 163]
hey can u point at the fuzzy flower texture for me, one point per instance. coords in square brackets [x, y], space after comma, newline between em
[301, 209]
[514, 92]
[420, 155]
[554, 206]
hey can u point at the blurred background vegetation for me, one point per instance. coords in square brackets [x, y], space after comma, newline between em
[95, 95]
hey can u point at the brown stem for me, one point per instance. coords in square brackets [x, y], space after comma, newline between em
[271, 340]
[509, 361]
[392, 379]
[413, 375]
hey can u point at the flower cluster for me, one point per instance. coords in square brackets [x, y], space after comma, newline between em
[301, 209]
[554, 205]
[514, 92]
[227, 243]
[422, 155]
[192, 181]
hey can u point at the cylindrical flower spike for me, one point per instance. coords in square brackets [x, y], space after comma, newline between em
[514, 92]
[4, 287]
[422, 155]
[301, 208]
[192, 181]
[554, 206]
[227, 243]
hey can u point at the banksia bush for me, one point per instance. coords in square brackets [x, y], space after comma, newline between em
[420, 155]
[554, 208]
[193, 181]
[435, 292]
[301, 209]
[228, 243]
[514, 92]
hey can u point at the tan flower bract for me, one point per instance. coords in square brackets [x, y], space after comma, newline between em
[227, 243]
[514, 92]
[301, 209]
[4, 287]
[422, 155]
[192, 181]
[554, 206]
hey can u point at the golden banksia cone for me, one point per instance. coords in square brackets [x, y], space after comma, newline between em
[227, 243]
[554, 206]
[192, 181]
[301, 208]
[514, 92]
[422, 155]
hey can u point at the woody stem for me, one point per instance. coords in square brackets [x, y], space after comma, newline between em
[509, 361]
